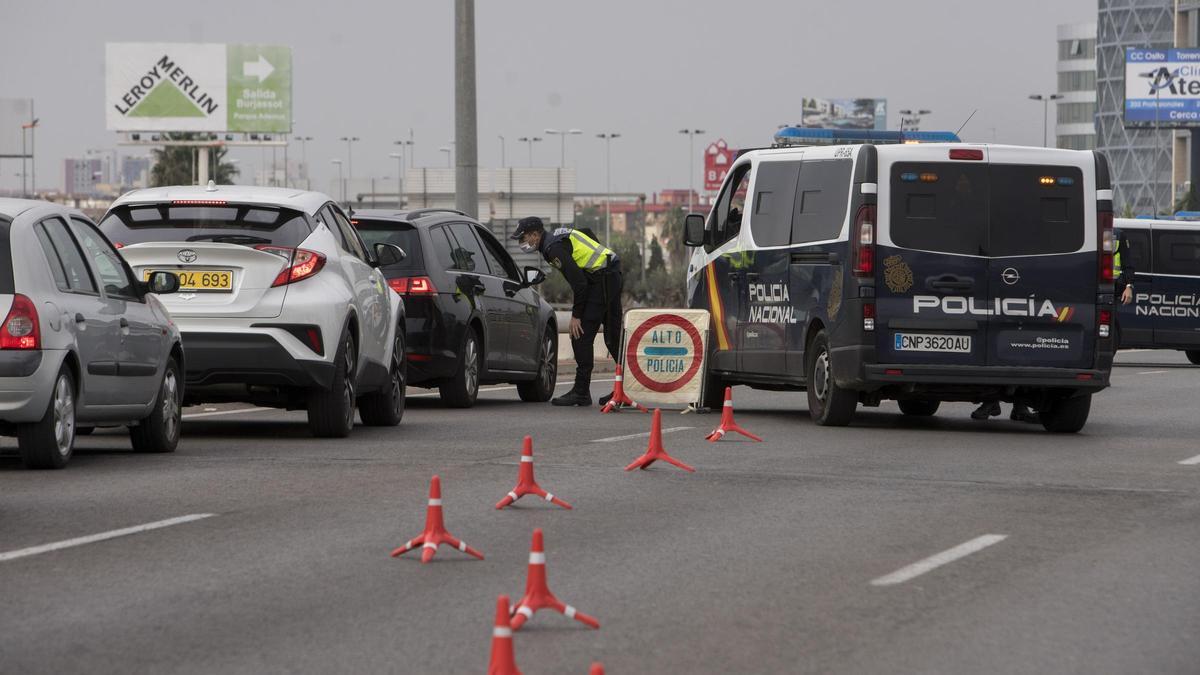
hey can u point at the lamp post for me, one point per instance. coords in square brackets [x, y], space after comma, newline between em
[563, 135]
[1045, 110]
[530, 140]
[341, 180]
[399, 157]
[349, 157]
[304, 160]
[691, 134]
[607, 138]
[449, 155]
[31, 126]
[502, 162]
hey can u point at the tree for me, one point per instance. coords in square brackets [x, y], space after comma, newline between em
[672, 231]
[656, 257]
[1190, 201]
[174, 164]
[591, 217]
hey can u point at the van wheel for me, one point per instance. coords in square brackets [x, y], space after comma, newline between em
[49, 442]
[331, 412]
[1193, 356]
[541, 388]
[159, 431]
[463, 387]
[385, 408]
[1066, 415]
[919, 408]
[828, 404]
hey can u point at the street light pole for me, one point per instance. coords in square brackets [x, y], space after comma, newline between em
[691, 134]
[304, 158]
[563, 135]
[530, 140]
[341, 180]
[399, 157]
[607, 138]
[1045, 111]
[349, 156]
[449, 155]
[502, 162]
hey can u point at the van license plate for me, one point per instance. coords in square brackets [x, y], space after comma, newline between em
[956, 344]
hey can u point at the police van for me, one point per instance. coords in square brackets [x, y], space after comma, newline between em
[914, 271]
[1165, 312]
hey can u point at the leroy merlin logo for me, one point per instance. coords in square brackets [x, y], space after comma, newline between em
[166, 90]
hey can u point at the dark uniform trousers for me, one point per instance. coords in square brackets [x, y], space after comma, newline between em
[603, 308]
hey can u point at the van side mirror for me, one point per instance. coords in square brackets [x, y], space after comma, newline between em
[162, 283]
[533, 277]
[693, 230]
[388, 254]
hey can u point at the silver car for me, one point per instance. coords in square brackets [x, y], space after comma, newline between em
[83, 342]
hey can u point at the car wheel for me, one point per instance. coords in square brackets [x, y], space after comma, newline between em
[828, 404]
[331, 411]
[49, 442]
[463, 388]
[159, 432]
[1193, 355]
[918, 408]
[1066, 415]
[540, 389]
[386, 408]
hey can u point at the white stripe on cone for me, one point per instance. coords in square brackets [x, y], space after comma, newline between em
[526, 458]
[435, 502]
[501, 632]
[462, 546]
[537, 558]
[549, 497]
[570, 612]
[526, 611]
[513, 496]
[430, 545]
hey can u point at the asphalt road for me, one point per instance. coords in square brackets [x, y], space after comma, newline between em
[1063, 554]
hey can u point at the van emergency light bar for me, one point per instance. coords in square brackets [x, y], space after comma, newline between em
[805, 136]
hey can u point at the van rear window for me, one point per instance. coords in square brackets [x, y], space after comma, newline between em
[233, 224]
[994, 210]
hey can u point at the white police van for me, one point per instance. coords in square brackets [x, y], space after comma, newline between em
[916, 271]
[1165, 312]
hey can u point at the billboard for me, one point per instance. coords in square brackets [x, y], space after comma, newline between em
[717, 158]
[1162, 87]
[198, 87]
[845, 113]
[14, 112]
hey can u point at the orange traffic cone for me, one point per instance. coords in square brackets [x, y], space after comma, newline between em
[537, 592]
[435, 529]
[597, 669]
[619, 398]
[727, 424]
[656, 451]
[526, 485]
[502, 661]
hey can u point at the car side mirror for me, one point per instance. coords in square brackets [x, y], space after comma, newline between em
[388, 254]
[533, 277]
[693, 230]
[162, 283]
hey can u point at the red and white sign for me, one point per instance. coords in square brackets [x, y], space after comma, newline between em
[717, 158]
[664, 354]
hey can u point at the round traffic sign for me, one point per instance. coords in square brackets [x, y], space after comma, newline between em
[664, 353]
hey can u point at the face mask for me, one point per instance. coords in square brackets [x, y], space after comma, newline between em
[526, 247]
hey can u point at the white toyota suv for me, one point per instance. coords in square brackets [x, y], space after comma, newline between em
[280, 302]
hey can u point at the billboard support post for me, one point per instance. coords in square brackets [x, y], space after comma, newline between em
[202, 165]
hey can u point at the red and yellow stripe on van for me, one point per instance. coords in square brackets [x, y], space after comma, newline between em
[716, 308]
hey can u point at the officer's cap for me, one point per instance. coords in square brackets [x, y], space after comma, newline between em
[526, 225]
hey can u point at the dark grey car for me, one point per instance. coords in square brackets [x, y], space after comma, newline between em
[83, 342]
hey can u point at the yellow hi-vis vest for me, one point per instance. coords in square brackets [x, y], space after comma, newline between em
[589, 254]
[1117, 260]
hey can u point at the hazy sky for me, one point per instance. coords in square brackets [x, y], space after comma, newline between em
[643, 69]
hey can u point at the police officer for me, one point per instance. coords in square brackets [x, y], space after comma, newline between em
[594, 273]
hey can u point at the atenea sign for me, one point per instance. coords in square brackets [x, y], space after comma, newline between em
[1162, 87]
[198, 87]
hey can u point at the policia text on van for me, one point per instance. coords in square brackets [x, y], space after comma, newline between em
[920, 273]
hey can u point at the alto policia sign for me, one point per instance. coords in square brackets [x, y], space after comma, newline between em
[664, 354]
[1162, 87]
[198, 87]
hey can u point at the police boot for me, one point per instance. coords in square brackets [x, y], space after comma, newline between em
[988, 409]
[1022, 413]
[576, 396]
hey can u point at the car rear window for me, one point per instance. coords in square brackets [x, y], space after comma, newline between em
[390, 232]
[993, 210]
[7, 285]
[232, 224]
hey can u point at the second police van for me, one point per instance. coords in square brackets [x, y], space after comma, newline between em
[1165, 312]
[913, 271]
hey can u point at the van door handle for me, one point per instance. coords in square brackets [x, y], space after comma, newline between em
[734, 275]
[949, 282]
[80, 318]
[751, 276]
[124, 322]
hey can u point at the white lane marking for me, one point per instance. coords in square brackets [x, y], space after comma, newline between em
[935, 561]
[644, 434]
[192, 416]
[1192, 460]
[93, 538]
[1153, 372]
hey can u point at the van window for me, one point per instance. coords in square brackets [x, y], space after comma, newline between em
[726, 218]
[820, 200]
[1177, 252]
[774, 192]
[1138, 254]
[1029, 218]
[940, 206]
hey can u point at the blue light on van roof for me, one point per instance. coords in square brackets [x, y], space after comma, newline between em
[811, 136]
[908, 177]
[1066, 180]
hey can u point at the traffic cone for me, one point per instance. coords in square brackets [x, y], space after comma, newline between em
[526, 485]
[537, 593]
[656, 451]
[502, 661]
[435, 532]
[619, 398]
[727, 424]
[597, 668]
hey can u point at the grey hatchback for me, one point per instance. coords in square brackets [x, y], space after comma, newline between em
[83, 342]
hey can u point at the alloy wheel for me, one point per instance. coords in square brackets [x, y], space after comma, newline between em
[549, 365]
[170, 405]
[64, 416]
[471, 366]
[821, 376]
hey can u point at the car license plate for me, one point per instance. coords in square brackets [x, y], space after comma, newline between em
[957, 344]
[220, 281]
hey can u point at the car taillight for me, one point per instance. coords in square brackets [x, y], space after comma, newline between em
[20, 329]
[965, 153]
[303, 263]
[864, 241]
[412, 285]
[1104, 222]
[868, 312]
[117, 244]
[1105, 328]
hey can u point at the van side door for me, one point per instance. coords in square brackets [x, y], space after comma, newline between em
[725, 262]
[1176, 296]
[769, 311]
[1135, 325]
